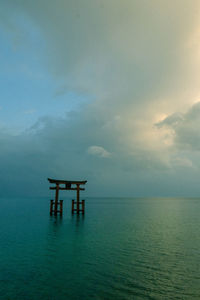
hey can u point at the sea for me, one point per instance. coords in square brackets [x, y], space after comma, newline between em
[121, 248]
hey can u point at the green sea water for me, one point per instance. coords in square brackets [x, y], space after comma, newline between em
[122, 248]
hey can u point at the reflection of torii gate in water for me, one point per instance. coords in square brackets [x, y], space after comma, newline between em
[78, 206]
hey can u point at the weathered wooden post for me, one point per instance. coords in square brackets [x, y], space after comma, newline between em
[83, 206]
[72, 206]
[51, 207]
[77, 199]
[61, 207]
[56, 200]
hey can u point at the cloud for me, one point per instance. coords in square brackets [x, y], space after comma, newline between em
[98, 151]
[182, 162]
[185, 126]
[171, 120]
[29, 112]
[59, 147]
[132, 58]
[129, 54]
[56, 147]
[98, 46]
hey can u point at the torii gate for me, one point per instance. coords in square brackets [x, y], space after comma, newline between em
[78, 206]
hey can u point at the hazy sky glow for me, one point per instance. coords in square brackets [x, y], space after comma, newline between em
[102, 90]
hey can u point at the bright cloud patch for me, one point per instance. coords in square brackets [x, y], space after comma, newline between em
[98, 151]
[29, 112]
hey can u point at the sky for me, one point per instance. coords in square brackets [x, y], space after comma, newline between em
[101, 90]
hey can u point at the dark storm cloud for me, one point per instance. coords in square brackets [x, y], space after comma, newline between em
[185, 128]
[77, 146]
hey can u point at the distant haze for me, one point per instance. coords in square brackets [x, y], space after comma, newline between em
[106, 91]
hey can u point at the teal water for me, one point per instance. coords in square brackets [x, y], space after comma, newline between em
[121, 249]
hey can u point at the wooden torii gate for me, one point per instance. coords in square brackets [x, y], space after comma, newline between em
[57, 206]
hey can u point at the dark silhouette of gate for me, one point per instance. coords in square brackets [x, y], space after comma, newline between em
[56, 206]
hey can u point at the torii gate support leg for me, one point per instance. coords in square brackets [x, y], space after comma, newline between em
[78, 199]
[56, 200]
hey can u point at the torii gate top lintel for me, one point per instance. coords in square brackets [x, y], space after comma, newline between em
[67, 184]
[58, 181]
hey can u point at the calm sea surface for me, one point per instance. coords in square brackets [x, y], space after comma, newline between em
[122, 248]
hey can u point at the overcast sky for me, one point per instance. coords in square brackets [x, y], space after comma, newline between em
[101, 90]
